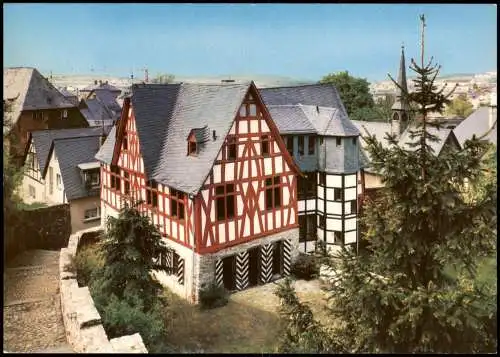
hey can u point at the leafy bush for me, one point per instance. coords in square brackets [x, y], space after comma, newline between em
[127, 316]
[213, 296]
[306, 267]
[87, 260]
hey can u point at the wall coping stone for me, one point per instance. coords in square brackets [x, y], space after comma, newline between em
[82, 322]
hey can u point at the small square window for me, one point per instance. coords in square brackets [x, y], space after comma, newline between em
[354, 141]
[243, 110]
[253, 110]
[354, 207]
[322, 222]
[338, 141]
[337, 194]
[338, 238]
[322, 178]
[64, 114]
[321, 140]
[125, 142]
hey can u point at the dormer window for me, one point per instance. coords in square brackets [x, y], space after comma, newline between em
[92, 178]
[196, 138]
[192, 150]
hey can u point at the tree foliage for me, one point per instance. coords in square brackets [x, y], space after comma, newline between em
[460, 106]
[124, 291]
[354, 92]
[399, 299]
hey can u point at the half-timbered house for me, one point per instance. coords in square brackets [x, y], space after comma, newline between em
[214, 175]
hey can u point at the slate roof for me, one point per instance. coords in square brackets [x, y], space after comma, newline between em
[291, 119]
[27, 89]
[379, 130]
[165, 114]
[43, 139]
[102, 108]
[312, 119]
[71, 152]
[323, 95]
[442, 134]
[478, 123]
[105, 153]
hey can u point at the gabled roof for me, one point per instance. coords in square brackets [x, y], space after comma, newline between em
[380, 129]
[70, 153]
[43, 140]
[478, 123]
[27, 89]
[297, 119]
[443, 135]
[165, 114]
[323, 95]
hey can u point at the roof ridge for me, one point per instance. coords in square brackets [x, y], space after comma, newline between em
[77, 137]
[299, 86]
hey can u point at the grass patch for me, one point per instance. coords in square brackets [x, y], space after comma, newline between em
[233, 328]
[249, 323]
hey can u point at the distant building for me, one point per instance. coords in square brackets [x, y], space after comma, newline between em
[99, 86]
[60, 168]
[100, 107]
[481, 123]
[71, 96]
[31, 102]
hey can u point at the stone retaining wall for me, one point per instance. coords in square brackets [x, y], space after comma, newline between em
[82, 321]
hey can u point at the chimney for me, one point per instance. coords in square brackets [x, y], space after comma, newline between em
[95, 82]
[100, 82]
[317, 109]
[214, 136]
[106, 82]
[492, 110]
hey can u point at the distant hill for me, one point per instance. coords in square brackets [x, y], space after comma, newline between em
[82, 80]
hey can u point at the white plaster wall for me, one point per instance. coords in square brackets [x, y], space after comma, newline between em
[350, 237]
[350, 180]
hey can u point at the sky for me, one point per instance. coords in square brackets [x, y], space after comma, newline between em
[300, 41]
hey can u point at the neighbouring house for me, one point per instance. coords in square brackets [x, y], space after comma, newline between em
[31, 102]
[481, 123]
[399, 126]
[216, 178]
[99, 86]
[71, 96]
[324, 143]
[100, 107]
[60, 168]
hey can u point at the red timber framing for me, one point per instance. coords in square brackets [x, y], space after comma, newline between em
[199, 229]
[134, 184]
[261, 158]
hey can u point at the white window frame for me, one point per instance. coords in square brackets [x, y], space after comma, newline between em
[89, 217]
[58, 181]
[64, 114]
[32, 191]
[93, 183]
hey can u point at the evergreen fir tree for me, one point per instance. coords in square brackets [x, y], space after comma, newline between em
[399, 299]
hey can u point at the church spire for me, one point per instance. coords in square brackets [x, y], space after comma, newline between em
[400, 108]
[401, 102]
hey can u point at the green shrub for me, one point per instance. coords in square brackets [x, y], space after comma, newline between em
[121, 317]
[305, 267]
[213, 296]
[87, 260]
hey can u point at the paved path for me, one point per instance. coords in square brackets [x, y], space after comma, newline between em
[32, 311]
